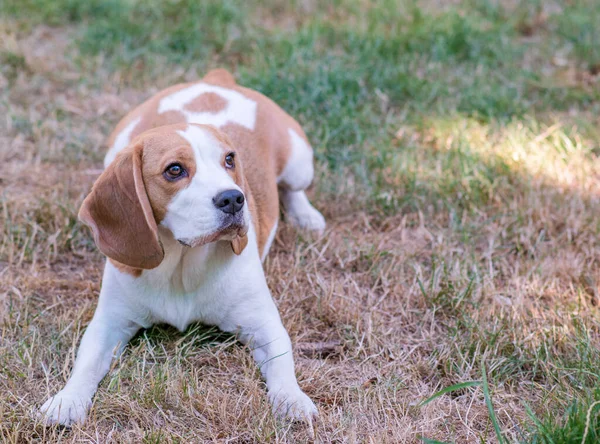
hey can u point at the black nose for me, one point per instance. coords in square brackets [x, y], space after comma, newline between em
[230, 201]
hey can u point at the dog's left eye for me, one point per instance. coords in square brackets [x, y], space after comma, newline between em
[229, 162]
[174, 171]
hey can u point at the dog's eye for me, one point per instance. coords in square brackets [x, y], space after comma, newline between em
[174, 171]
[229, 163]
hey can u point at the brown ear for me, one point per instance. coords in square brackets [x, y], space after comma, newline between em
[239, 243]
[119, 213]
[241, 240]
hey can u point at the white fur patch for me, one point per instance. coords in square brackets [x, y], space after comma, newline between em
[300, 212]
[121, 141]
[205, 146]
[239, 109]
[298, 172]
[191, 213]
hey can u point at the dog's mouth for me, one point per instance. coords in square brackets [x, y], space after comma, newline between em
[229, 232]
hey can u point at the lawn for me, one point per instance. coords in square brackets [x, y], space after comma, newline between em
[454, 296]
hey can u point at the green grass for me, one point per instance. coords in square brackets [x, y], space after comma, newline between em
[579, 28]
[50, 221]
[128, 30]
[350, 82]
[571, 426]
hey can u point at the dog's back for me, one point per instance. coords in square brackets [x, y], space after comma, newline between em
[273, 147]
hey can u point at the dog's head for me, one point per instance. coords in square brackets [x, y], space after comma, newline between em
[186, 178]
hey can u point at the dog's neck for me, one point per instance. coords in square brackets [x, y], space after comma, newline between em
[184, 269]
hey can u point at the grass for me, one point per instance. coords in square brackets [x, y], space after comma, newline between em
[457, 150]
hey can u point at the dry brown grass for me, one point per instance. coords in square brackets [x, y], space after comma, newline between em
[384, 310]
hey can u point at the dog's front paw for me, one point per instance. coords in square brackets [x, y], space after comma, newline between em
[65, 408]
[292, 403]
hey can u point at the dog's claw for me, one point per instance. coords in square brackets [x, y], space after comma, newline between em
[65, 409]
[293, 404]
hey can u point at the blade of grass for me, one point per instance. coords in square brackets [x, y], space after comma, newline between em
[465, 293]
[422, 288]
[538, 424]
[588, 420]
[488, 403]
[431, 441]
[449, 389]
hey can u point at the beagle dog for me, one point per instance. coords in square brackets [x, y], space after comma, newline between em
[185, 211]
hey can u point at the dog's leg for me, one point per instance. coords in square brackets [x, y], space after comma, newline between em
[299, 212]
[105, 337]
[258, 325]
[295, 178]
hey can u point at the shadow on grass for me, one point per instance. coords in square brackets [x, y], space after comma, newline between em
[196, 337]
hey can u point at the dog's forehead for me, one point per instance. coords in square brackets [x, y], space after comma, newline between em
[195, 143]
[203, 141]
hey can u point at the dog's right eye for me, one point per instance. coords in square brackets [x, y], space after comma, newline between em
[174, 172]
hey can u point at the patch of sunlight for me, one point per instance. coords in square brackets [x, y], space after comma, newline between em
[556, 153]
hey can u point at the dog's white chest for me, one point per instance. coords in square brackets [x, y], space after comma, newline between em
[190, 285]
[187, 286]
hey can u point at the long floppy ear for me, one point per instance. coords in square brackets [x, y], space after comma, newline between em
[119, 213]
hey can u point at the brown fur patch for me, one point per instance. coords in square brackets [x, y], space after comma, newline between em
[120, 215]
[162, 148]
[207, 102]
[264, 151]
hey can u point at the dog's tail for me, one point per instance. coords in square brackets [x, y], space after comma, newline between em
[220, 76]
